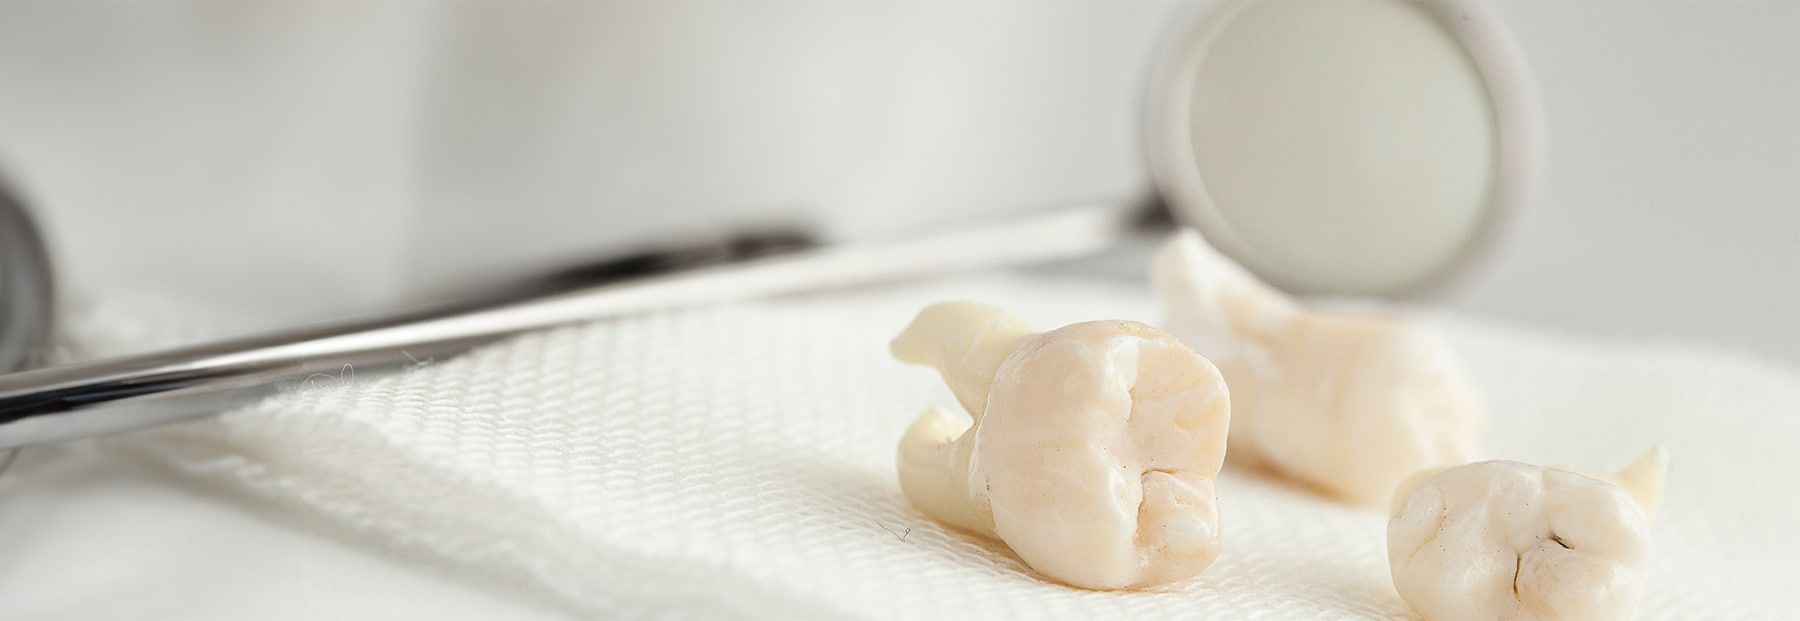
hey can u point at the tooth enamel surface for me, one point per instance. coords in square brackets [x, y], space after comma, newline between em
[1349, 405]
[1506, 540]
[1093, 449]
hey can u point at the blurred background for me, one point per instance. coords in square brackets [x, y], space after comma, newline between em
[291, 161]
[1624, 170]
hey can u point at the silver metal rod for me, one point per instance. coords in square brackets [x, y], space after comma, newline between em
[112, 396]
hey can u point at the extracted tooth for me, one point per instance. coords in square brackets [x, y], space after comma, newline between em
[1506, 540]
[934, 471]
[965, 342]
[1092, 451]
[1348, 405]
[1643, 479]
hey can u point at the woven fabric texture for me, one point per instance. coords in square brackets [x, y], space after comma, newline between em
[737, 462]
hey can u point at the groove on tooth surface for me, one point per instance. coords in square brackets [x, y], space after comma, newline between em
[1092, 448]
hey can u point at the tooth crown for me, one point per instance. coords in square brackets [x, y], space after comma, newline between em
[1093, 458]
[1506, 540]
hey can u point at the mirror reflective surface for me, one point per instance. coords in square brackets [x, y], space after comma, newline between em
[1342, 147]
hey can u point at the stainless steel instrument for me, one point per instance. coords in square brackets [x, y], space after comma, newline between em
[110, 396]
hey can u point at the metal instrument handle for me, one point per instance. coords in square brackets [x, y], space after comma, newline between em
[111, 396]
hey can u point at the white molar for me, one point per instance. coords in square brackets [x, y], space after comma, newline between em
[1506, 540]
[1348, 405]
[1092, 451]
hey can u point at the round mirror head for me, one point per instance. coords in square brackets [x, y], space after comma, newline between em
[1341, 146]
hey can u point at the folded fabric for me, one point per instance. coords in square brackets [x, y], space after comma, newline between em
[737, 462]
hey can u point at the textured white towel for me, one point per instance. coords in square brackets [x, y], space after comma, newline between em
[738, 462]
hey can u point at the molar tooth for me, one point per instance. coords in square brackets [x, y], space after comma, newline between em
[1475, 541]
[1044, 466]
[1348, 405]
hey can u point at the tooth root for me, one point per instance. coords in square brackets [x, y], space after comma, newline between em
[934, 471]
[1643, 479]
[1216, 289]
[966, 343]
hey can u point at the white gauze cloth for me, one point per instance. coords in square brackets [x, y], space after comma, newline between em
[737, 461]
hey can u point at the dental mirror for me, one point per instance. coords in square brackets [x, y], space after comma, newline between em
[1345, 146]
[1335, 146]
